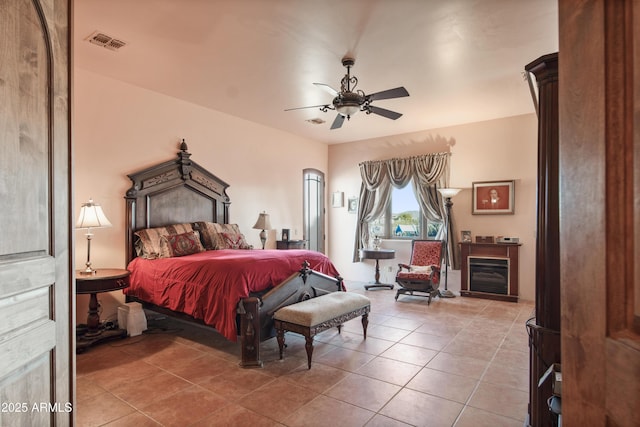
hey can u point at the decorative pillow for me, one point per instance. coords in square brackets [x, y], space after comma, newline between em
[422, 269]
[174, 245]
[210, 233]
[234, 241]
[148, 245]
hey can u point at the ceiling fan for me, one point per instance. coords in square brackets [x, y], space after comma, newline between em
[349, 101]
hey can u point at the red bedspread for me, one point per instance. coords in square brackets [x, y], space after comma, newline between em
[209, 285]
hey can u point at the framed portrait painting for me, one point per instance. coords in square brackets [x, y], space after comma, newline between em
[493, 197]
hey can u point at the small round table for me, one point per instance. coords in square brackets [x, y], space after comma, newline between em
[101, 280]
[378, 254]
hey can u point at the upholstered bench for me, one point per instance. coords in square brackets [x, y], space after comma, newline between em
[312, 316]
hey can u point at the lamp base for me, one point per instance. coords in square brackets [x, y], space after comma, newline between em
[263, 238]
[447, 294]
[88, 272]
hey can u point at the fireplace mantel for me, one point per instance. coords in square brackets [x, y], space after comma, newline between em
[490, 250]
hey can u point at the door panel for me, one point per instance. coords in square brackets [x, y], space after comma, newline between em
[599, 93]
[36, 361]
[14, 391]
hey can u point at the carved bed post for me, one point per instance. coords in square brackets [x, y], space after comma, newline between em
[184, 162]
[131, 224]
[250, 332]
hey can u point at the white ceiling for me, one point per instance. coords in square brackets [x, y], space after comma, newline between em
[461, 60]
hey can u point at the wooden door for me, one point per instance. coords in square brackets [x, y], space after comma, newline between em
[36, 361]
[599, 111]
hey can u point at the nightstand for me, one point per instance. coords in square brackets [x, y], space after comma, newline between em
[291, 244]
[101, 280]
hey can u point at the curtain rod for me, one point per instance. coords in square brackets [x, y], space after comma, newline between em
[421, 156]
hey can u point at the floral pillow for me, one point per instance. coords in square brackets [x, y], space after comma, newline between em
[175, 245]
[234, 241]
[148, 244]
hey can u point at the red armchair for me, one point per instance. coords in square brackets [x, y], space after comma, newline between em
[422, 274]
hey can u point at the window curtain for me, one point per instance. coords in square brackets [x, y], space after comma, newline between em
[428, 173]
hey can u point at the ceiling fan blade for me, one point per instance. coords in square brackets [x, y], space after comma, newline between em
[327, 88]
[398, 92]
[337, 123]
[310, 106]
[385, 113]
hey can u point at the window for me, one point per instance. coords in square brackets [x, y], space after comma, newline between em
[313, 209]
[403, 219]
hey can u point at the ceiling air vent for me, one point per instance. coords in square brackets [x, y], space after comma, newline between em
[101, 39]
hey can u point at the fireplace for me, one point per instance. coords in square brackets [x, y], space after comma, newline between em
[489, 270]
[488, 274]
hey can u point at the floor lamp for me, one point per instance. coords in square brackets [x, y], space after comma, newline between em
[447, 194]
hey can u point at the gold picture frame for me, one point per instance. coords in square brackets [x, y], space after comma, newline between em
[493, 197]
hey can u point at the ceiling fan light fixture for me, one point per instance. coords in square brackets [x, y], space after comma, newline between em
[348, 103]
[348, 110]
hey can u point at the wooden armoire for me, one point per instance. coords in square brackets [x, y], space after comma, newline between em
[544, 329]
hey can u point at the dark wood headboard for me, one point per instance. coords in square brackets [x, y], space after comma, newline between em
[173, 192]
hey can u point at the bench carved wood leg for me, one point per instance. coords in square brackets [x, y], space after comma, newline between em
[280, 337]
[365, 323]
[309, 347]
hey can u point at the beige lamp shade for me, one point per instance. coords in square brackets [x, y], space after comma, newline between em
[449, 192]
[263, 222]
[92, 216]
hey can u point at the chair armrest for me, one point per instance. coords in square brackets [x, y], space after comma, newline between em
[405, 266]
[435, 275]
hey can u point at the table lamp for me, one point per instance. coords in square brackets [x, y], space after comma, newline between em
[263, 223]
[91, 216]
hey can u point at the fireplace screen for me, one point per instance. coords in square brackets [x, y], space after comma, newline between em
[489, 275]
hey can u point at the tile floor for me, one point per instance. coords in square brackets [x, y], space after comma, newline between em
[457, 362]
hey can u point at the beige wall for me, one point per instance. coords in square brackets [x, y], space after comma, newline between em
[120, 129]
[503, 149]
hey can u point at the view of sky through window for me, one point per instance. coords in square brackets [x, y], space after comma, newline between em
[404, 218]
[405, 213]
